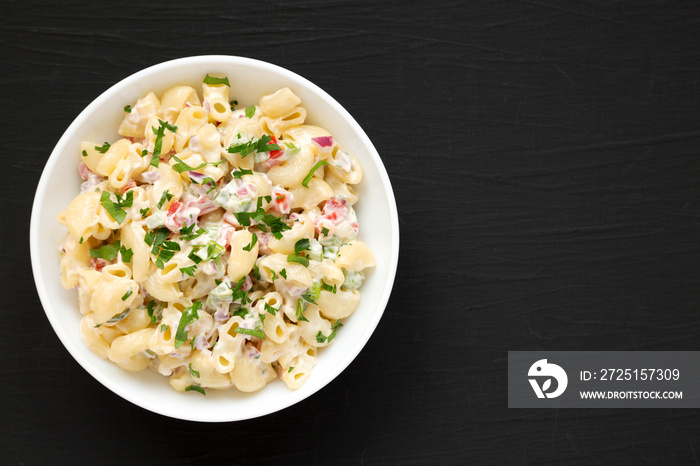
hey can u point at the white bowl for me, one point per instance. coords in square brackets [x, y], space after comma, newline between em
[249, 79]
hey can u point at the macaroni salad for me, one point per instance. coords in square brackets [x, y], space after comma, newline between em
[215, 245]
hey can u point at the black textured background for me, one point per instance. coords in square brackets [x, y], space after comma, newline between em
[544, 157]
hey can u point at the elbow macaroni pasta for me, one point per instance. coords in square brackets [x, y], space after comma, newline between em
[216, 246]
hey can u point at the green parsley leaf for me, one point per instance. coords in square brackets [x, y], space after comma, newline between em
[128, 293]
[251, 332]
[321, 338]
[160, 132]
[116, 209]
[187, 229]
[144, 211]
[156, 237]
[127, 254]
[298, 259]
[238, 294]
[84, 152]
[149, 310]
[163, 328]
[181, 166]
[195, 388]
[237, 174]
[194, 235]
[301, 245]
[164, 198]
[311, 295]
[250, 111]
[264, 144]
[115, 318]
[320, 163]
[162, 250]
[283, 273]
[333, 289]
[144, 152]
[80, 241]
[212, 80]
[108, 252]
[195, 257]
[188, 270]
[301, 307]
[291, 368]
[254, 240]
[127, 109]
[192, 371]
[155, 160]
[233, 104]
[324, 231]
[188, 315]
[271, 309]
[103, 148]
[334, 328]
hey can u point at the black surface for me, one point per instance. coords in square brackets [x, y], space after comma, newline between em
[544, 157]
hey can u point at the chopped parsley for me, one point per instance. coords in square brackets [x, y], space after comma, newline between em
[237, 174]
[254, 240]
[144, 211]
[194, 257]
[163, 250]
[116, 318]
[196, 388]
[188, 270]
[150, 311]
[103, 148]
[193, 372]
[213, 80]
[303, 260]
[188, 316]
[233, 104]
[283, 273]
[321, 338]
[250, 111]
[264, 144]
[128, 293]
[127, 108]
[250, 331]
[275, 224]
[116, 209]
[319, 164]
[324, 231]
[160, 132]
[186, 232]
[301, 245]
[238, 294]
[291, 368]
[108, 252]
[164, 198]
[84, 152]
[301, 308]
[312, 295]
[181, 166]
[333, 289]
[271, 309]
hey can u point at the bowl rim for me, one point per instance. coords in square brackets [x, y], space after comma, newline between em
[52, 161]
